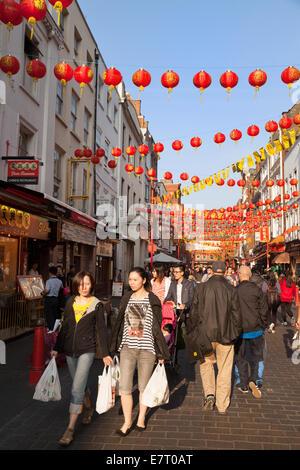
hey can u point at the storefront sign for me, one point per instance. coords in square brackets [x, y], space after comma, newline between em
[277, 248]
[76, 233]
[23, 172]
[82, 220]
[104, 249]
[264, 234]
[19, 223]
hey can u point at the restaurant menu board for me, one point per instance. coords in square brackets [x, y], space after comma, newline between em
[31, 286]
[117, 289]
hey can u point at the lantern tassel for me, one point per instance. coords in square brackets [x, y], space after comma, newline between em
[256, 90]
[58, 18]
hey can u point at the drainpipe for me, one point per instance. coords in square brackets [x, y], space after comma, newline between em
[95, 127]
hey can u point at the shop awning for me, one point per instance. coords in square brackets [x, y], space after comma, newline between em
[163, 258]
[282, 258]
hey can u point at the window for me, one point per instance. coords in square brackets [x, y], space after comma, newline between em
[106, 148]
[59, 98]
[25, 140]
[86, 125]
[77, 42]
[123, 140]
[57, 174]
[31, 51]
[116, 117]
[98, 138]
[74, 110]
[122, 186]
[101, 90]
[108, 104]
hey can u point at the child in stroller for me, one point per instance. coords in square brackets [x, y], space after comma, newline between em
[169, 328]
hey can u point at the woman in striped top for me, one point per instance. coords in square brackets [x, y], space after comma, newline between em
[138, 337]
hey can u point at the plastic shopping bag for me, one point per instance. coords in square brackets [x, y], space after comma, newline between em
[106, 391]
[296, 341]
[157, 392]
[116, 375]
[48, 387]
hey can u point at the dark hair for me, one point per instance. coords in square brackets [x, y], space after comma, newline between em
[141, 272]
[53, 270]
[78, 279]
[272, 279]
[181, 267]
[168, 327]
[288, 280]
[160, 271]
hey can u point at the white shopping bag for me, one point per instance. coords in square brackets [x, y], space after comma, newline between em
[106, 391]
[116, 374]
[296, 341]
[157, 392]
[48, 387]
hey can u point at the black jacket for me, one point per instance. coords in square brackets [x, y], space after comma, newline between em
[216, 308]
[75, 339]
[254, 307]
[186, 295]
[160, 345]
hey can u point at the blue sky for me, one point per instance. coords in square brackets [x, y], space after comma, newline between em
[188, 36]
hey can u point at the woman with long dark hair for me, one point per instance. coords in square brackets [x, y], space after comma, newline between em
[138, 337]
[83, 321]
[288, 293]
[272, 290]
[160, 282]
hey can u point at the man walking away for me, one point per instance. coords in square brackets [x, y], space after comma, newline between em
[216, 309]
[51, 292]
[254, 310]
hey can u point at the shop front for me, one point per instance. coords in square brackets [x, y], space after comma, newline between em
[24, 239]
[104, 268]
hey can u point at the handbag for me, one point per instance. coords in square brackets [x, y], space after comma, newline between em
[157, 391]
[48, 387]
[106, 391]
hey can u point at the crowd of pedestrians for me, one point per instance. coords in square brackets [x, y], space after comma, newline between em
[224, 312]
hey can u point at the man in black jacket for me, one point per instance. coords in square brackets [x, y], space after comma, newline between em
[250, 345]
[181, 292]
[215, 309]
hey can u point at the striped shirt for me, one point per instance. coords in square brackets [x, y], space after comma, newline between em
[137, 332]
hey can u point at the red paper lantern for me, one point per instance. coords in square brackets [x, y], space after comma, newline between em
[141, 78]
[295, 193]
[231, 183]
[219, 138]
[112, 77]
[83, 75]
[285, 123]
[129, 168]
[280, 183]
[63, 72]
[251, 205]
[195, 179]
[293, 182]
[277, 199]
[235, 135]
[271, 126]
[286, 208]
[143, 149]
[270, 183]
[87, 153]
[296, 119]
[286, 197]
[259, 203]
[196, 142]
[244, 207]
[290, 76]
[295, 205]
[255, 183]
[36, 69]
[112, 164]
[168, 176]
[170, 80]
[202, 80]
[131, 151]
[253, 131]
[177, 145]
[139, 171]
[158, 148]
[268, 202]
[33, 11]
[220, 182]
[116, 152]
[9, 65]
[241, 183]
[59, 6]
[151, 173]
[78, 153]
[257, 79]
[184, 176]
[10, 14]
[95, 160]
[100, 153]
[229, 80]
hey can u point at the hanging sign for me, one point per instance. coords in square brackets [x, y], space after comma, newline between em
[23, 172]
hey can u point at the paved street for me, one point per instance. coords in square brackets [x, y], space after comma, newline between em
[270, 423]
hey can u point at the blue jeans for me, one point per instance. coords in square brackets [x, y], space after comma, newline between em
[79, 368]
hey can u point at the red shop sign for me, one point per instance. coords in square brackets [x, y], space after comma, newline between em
[23, 172]
[82, 220]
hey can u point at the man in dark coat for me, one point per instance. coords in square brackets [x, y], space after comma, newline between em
[181, 292]
[216, 309]
[250, 345]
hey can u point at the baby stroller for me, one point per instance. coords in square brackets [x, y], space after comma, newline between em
[169, 317]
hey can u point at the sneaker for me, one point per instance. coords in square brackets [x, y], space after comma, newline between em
[259, 384]
[209, 402]
[255, 390]
[243, 389]
[284, 323]
[293, 321]
[271, 328]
